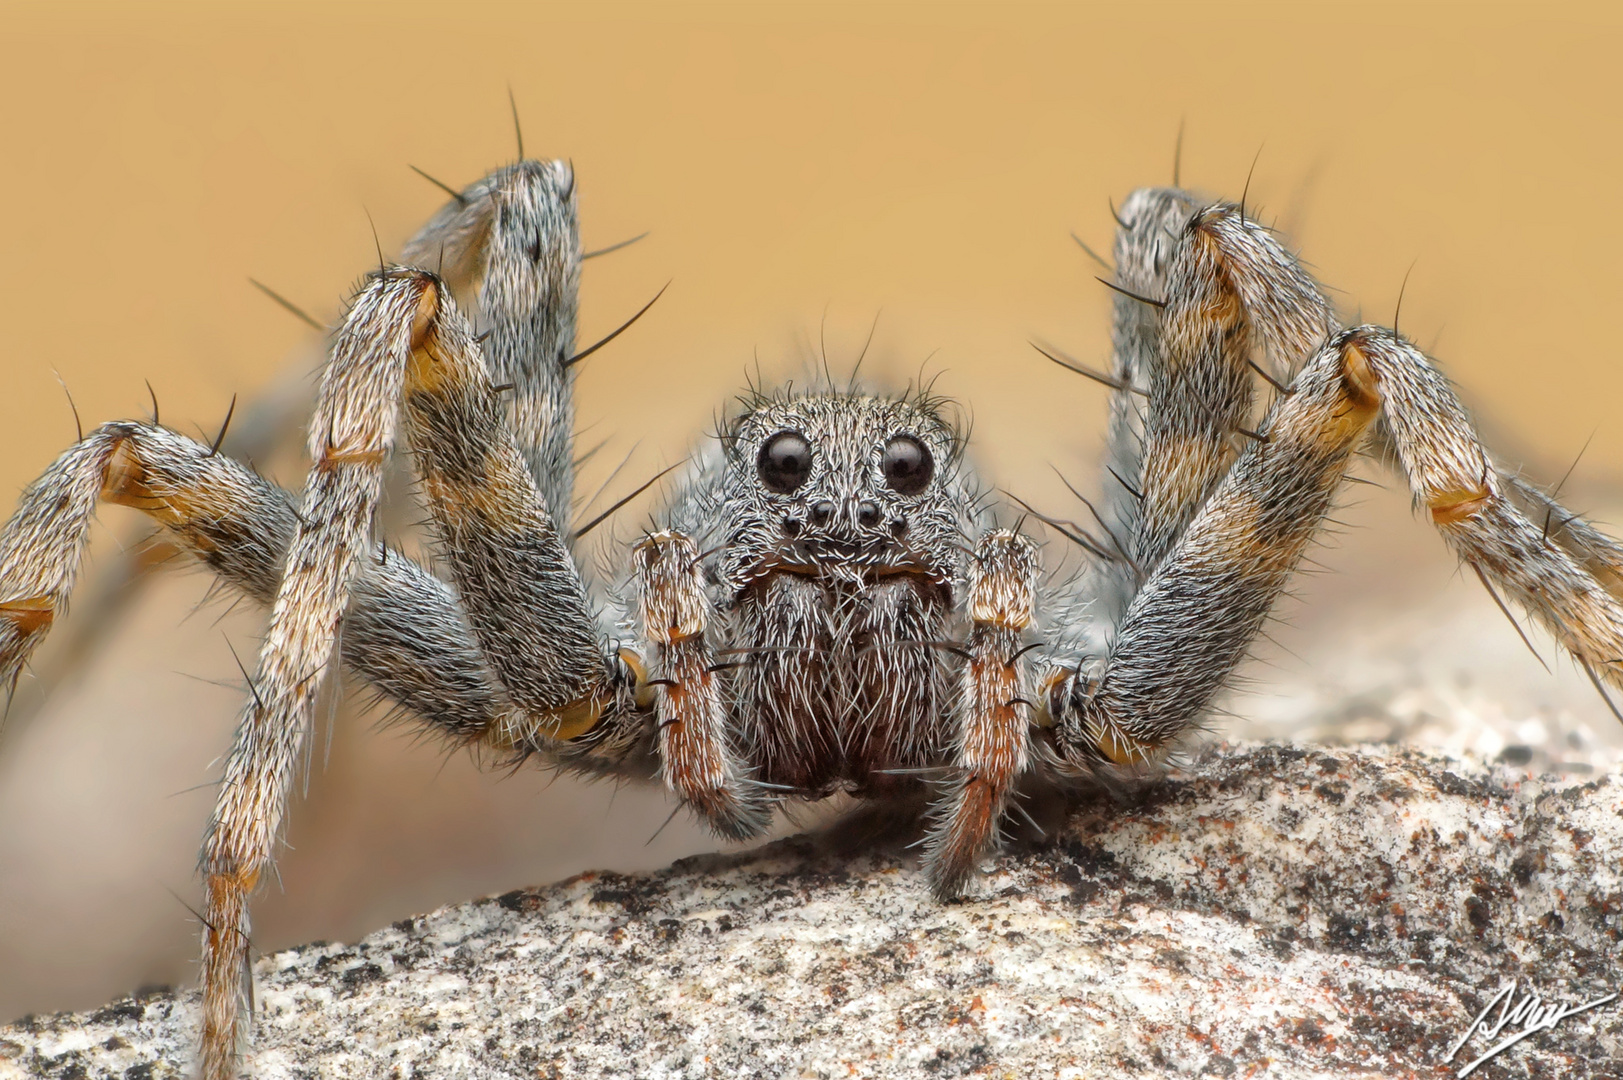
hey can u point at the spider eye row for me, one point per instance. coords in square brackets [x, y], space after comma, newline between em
[785, 462]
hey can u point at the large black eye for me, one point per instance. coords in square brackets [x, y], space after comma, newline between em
[907, 464]
[785, 461]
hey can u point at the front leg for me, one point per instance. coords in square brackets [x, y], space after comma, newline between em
[572, 698]
[505, 551]
[353, 435]
[990, 748]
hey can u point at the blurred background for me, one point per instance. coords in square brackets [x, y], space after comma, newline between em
[802, 170]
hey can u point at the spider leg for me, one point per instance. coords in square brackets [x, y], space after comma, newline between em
[990, 749]
[1596, 552]
[404, 631]
[1231, 291]
[1201, 290]
[701, 766]
[1193, 621]
[351, 439]
[255, 431]
[402, 339]
[475, 240]
[1152, 220]
[508, 247]
[1557, 566]
[405, 342]
[492, 431]
[1197, 614]
[524, 598]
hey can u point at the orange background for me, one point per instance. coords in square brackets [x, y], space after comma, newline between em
[795, 164]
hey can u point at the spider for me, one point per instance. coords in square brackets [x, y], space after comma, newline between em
[828, 603]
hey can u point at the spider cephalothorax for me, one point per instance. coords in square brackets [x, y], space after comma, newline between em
[828, 603]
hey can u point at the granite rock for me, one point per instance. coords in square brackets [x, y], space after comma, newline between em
[1266, 910]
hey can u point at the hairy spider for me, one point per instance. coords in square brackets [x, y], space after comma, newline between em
[828, 604]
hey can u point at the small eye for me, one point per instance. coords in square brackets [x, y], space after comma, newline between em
[907, 464]
[785, 462]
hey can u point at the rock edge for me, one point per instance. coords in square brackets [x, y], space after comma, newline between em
[1264, 911]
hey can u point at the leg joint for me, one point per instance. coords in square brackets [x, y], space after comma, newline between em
[1454, 506]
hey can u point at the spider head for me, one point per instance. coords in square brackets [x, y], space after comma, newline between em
[846, 487]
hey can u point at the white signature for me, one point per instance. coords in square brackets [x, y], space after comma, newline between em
[1532, 1013]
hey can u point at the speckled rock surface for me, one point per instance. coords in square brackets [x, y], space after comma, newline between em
[1266, 911]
